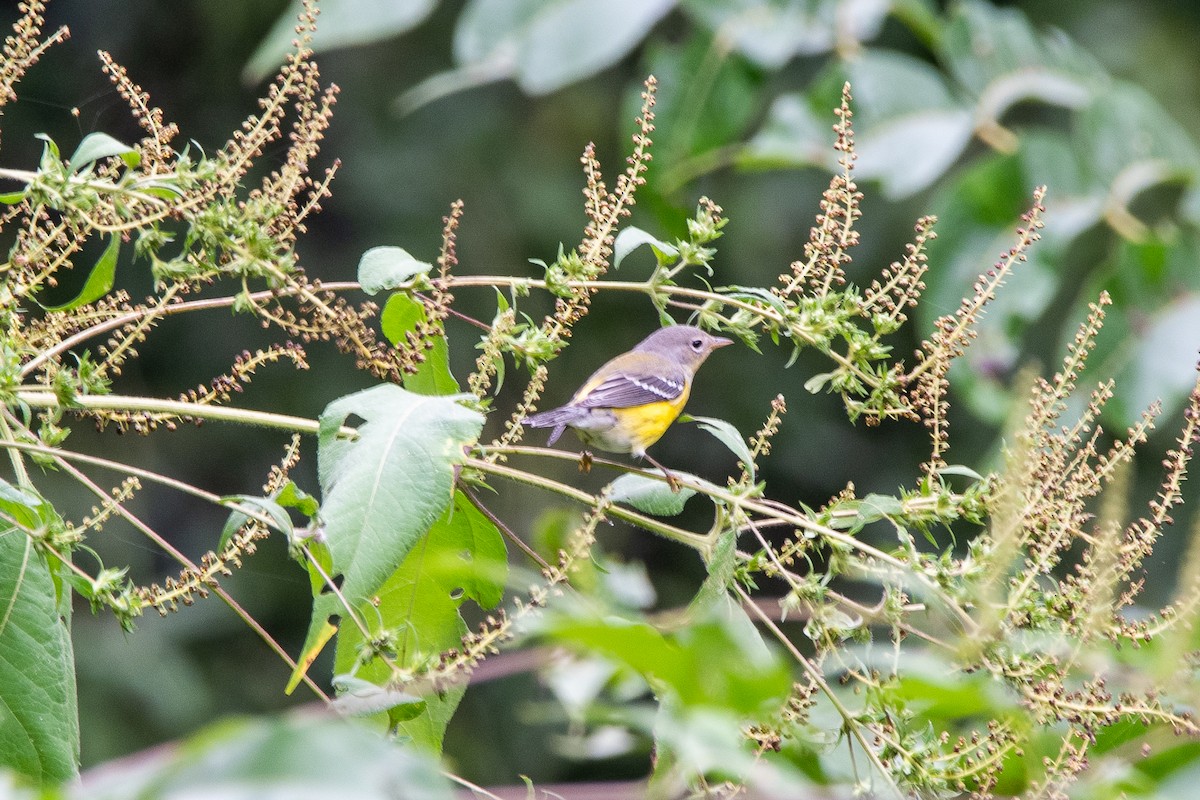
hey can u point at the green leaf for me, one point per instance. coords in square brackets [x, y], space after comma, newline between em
[294, 756]
[548, 44]
[99, 282]
[384, 490]
[771, 33]
[909, 127]
[959, 469]
[23, 507]
[709, 663]
[652, 495]
[403, 314]
[461, 556]
[755, 294]
[51, 148]
[12, 198]
[280, 520]
[792, 135]
[343, 23]
[96, 146]
[720, 572]
[631, 238]
[1127, 136]
[292, 496]
[359, 698]
[39, 724]
[388, 267]
[694, 126]
[731, 438]
[875, 507]
[996, 53]
[1158, 360]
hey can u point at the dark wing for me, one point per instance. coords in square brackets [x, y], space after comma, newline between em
[621, 390]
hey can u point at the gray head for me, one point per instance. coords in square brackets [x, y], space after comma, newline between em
[685, 345]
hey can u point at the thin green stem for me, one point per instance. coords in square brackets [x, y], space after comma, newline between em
[768, 510]
[154, 477]
[165, 311]
[696, 541]
[39, 398]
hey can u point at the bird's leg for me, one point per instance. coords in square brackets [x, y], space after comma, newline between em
[585, 461]
[672, 481]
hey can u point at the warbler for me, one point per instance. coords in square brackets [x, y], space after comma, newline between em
[628, 404]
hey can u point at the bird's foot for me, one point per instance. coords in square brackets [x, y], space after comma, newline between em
[585, 462]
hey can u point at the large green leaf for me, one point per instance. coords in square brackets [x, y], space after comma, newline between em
[1127, 135]
[770, 33]
[462, 556]
[997, 55]
[39, 720]
[718, 660]
[909, 126]
[302, 757]
[384, 490]
[548, 44]
[343, 23]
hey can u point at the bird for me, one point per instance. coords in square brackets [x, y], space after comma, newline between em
[628, 404]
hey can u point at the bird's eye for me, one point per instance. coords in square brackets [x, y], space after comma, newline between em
[697, 344]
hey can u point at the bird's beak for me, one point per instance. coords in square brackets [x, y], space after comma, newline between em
[718, 342]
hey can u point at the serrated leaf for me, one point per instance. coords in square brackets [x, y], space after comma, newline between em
[729, 436]
[99, 282]
[383, 491]
[39, 726]
[651, 495]
[631, 238]
[344, 23]
[97, 146]
[387, 268]
[460, 556]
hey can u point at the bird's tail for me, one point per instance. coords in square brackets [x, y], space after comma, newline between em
[556, 418]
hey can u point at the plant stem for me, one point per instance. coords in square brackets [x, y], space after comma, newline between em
[694, 540]
[114, 402]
